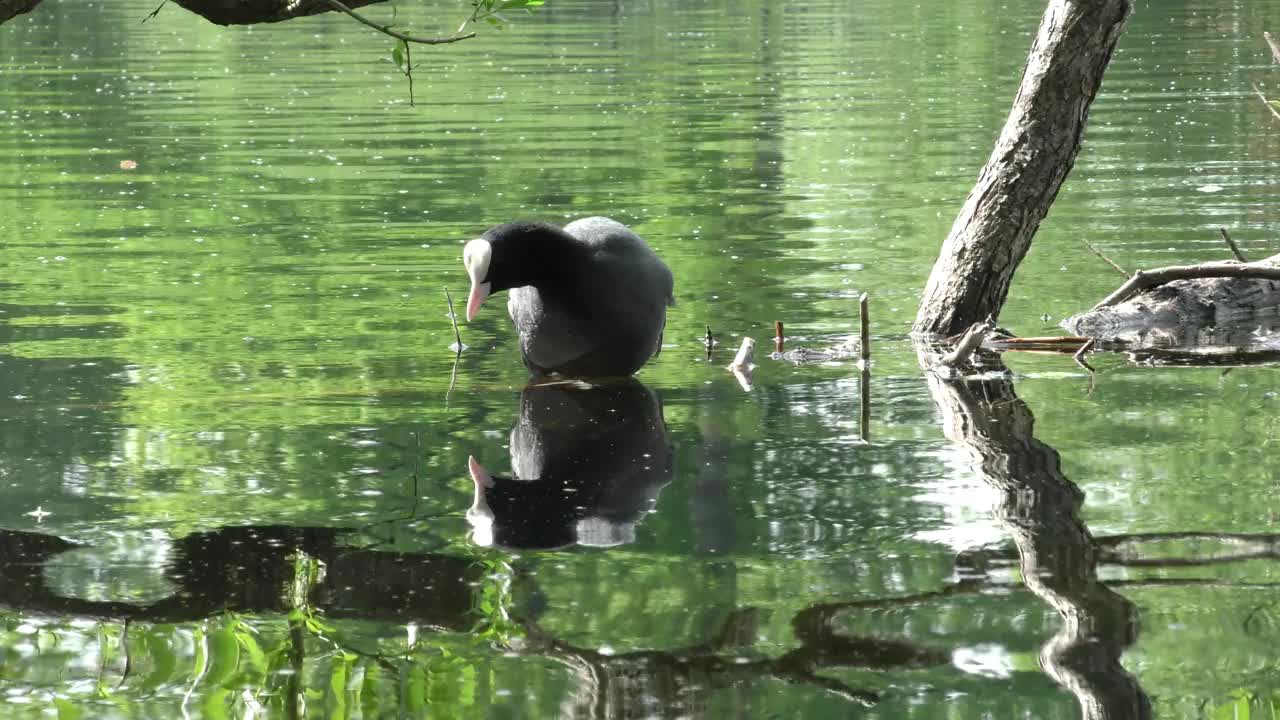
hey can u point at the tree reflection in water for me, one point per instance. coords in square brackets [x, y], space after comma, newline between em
[309, 576]
[1058, 556]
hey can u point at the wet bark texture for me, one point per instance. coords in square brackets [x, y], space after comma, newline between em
[1031, 159]
[223, 12]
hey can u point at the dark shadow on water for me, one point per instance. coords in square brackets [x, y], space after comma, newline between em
[56, 413]
[276, 570]
[587, 464]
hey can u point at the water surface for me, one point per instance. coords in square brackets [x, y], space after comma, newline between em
[234, 453]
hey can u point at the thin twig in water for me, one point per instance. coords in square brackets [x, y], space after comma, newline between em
[1275, 47]
[128, 657]
[864, 404]
[1235, 249]
[457, 347]
[1258, 91]
[453, 317]
[156, 11]
[779, 340]
[453, 379]
[1079, 355]
[386, 29]
[709, 342]
[864, 331]
[408, 72]
[1105, 259]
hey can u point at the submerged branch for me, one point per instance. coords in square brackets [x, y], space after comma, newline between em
[1147, 279]
[1258, 91]
[970, 342]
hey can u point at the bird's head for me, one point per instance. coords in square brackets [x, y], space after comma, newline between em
[511, 255]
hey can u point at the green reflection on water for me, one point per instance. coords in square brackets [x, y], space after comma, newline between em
[248, 330]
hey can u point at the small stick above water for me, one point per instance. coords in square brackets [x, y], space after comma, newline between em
[741, 366]
[743, 359]
[864, 330]
[778, 338]
[1105, 259]
[1084, 350]
[1235, 249]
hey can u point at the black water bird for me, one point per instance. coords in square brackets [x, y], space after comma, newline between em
[588, 300]
[587, 463]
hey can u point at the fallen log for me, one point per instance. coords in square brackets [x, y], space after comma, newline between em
[1217, 303]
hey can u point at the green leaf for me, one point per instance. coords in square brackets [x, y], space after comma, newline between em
[66, 709]
[224, 656]
[164, 661]
[250, 645]
[398, 54]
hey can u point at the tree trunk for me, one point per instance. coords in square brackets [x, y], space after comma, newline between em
[1031, 159]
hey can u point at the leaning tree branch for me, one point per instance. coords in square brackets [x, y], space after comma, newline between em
[1275, 47]
[1035, 151]
[386, 29]
[1147, 279]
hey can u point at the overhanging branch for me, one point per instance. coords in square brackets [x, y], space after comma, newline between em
[386, 29]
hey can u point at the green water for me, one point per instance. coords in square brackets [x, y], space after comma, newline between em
[234, 463]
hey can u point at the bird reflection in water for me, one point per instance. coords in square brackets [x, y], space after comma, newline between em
[587, 464]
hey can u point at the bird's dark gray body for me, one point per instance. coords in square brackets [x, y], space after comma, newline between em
[608, 322]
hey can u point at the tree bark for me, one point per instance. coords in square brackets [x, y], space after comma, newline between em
[1031, 159]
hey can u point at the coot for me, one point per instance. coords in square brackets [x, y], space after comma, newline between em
[588, 300]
